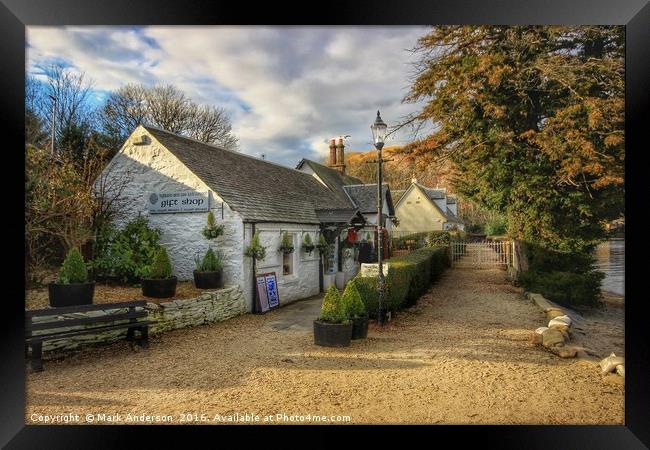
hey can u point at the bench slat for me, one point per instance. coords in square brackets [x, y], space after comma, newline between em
[46, 325]
[83, 308]
[52, 336]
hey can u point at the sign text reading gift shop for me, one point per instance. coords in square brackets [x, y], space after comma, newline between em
[173, 202]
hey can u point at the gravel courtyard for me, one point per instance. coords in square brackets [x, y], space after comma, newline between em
[461, 356]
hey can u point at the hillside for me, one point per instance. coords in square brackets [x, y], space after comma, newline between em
[398, 173]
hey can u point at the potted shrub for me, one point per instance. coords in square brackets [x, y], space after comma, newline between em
[286, 246]
[255, 249]
[212, 230]
[332, 328]
[355, 310]
[307, 245]
[209, 271]
[72, 287]
[160, 282]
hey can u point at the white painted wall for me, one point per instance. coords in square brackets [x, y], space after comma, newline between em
[304, 281]
[153, 168]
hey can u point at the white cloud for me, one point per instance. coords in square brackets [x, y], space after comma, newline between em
[287, 89]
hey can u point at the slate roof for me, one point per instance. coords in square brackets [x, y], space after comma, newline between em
[334, 179]
[258, 190]
[433, 193]
[364, 197]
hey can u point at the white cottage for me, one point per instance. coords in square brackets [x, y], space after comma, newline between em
[245, 194]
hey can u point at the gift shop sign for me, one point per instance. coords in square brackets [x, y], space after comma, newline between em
[174, 202]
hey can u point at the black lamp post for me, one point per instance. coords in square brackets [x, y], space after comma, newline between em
[378, 135]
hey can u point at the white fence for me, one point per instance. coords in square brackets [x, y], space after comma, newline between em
[483, 254]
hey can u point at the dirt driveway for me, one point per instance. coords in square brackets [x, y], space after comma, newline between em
[460, 356]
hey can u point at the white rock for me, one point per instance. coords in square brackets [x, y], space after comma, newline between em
[560, 320]
[609, 364]
[540, 330]
[620, 369]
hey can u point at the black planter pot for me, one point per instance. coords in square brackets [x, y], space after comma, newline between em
[159, 288]
[71, 294]
[360, 328]
[332, 334]
[208, 280]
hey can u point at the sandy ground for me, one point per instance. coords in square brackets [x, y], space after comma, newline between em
[461, 356]
[107, 293]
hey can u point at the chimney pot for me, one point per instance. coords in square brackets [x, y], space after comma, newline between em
[332, 152]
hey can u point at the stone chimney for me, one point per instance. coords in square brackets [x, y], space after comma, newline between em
[413, 179]
[340, 155]
[332, 153]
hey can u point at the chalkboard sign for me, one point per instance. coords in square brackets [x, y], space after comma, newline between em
[267, 292]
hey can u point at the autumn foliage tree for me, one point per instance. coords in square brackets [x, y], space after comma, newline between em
[532, 119]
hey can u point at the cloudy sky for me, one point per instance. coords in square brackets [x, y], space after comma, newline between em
[286, 89]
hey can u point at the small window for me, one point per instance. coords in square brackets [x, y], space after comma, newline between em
[408, 203]
[417, 201]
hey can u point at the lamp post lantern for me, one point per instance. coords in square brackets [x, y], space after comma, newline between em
[378, 135]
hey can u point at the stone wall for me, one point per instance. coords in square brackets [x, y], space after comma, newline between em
[212, 306]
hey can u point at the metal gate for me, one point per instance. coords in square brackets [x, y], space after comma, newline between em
[480, 254]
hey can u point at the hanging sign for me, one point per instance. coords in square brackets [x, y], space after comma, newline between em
[372, 269]
[174, 202]
[267, 291]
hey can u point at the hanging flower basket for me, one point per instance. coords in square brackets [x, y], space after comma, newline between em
[307, 245]
[212, 230]
[287, 250]
[255, 250]
[308, 248]
[286, 246]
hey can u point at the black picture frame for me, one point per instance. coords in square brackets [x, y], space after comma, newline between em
[634, 14]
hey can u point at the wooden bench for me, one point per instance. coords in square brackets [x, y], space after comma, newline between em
[54, 328]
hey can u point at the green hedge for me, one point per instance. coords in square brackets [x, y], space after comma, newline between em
[575, 290]
[408, 277]
[567, 278]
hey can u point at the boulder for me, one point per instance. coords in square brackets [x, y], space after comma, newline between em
[552, 337]
[609, 364]
[552, 313]
[565, 351]
[620, 369]
[535, 338]
[560, 327]
[560, 320]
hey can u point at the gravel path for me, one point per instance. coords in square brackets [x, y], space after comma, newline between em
[460, 356]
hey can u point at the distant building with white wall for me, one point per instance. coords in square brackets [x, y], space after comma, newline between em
[420, 208]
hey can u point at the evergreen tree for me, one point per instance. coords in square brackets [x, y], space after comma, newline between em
[532, 117]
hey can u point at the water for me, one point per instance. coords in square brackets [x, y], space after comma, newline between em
[610, 259]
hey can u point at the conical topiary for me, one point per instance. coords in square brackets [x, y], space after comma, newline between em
[332, 310]
[352, 301]
[162, 266]
[73, 269]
